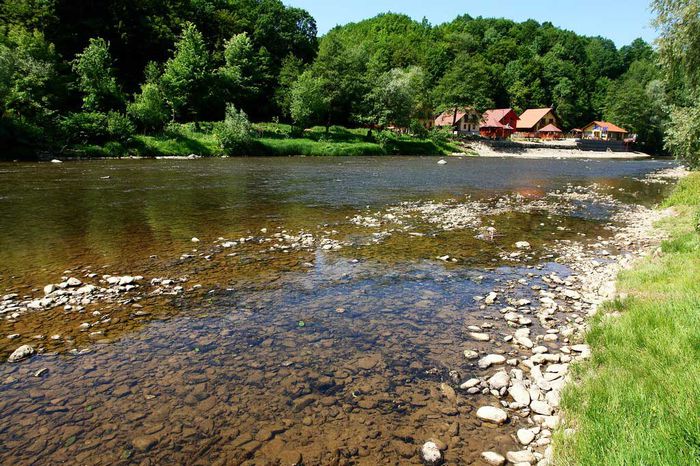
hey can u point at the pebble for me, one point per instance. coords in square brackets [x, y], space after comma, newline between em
[493, 458]
[525, 436]
[524, 456]
[492, 414]
[478, 336]
[490, 360]
[431, 454]
[499, 380]
[21, 353]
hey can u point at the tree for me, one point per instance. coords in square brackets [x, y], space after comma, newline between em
[308, 103]
[240, 77]
[234, 133]
[31, 87]
[149, 109]
[96, 78]
[292, 68]
[466, 85]
[397, 98]
[186, 79]
[678, 22]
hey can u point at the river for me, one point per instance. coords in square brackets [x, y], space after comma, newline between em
[300, 307]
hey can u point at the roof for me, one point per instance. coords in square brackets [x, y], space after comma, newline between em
[610, 128]
[492, 118]
[532, 116]
[550, 129]
[447, 117]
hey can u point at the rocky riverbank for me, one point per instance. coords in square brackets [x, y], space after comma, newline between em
[519, 335]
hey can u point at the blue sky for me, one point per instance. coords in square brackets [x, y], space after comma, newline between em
[620, 20]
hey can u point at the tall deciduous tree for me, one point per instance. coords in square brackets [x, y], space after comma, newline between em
[96, 79]
[186, 79]
[678, 22]
[466, 84]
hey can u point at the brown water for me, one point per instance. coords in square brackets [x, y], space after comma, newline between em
[336, 356]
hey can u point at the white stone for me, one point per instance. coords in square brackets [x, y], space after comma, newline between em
[470, 354]
[541, 407]
[195, 240]
[126, 280]
[491, 298]
[21, 353]
[470, 383]
[522, 245]
[520, 394]
[490, 360]
[525, 436]
[479, 336]
[492, 414]
[431, 453]
[493, 458]
[524, 456]
[74, 282]
[499, 380]
[48, 289]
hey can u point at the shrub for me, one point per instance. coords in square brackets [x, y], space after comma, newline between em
[440, 136]
[84, 128]
[388, 141]
[149, 109]
[119, 127]
[234, 133]
[418, 130]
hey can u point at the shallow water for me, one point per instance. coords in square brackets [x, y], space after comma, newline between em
[333, 355]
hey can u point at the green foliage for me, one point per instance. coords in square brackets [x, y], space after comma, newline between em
[84, 128]
[467, 84]
[398, 97]
[149, 109]
[292, 68]
[683, 133]
[96, 78]
[234, 133]
[654, 343]
[308, 103]
[119, 127]
[187, 75]
[679, 51]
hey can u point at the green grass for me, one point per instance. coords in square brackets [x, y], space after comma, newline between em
[270, 139]
[637, 401]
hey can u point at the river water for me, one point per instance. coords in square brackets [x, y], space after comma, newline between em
[333, 350]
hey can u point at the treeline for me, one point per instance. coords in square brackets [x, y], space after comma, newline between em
[97, 73]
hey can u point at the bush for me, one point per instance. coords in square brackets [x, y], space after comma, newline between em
[440, 136]
[418, 130]
[234, 133]
[119, 127]
[149, 109]
[388, 141]
[84, 128]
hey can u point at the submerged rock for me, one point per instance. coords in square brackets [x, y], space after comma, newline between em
[21, 353]
[431, 454]
[492, 414]
[493, 458]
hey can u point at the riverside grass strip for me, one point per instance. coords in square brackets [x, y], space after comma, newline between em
[637, 401]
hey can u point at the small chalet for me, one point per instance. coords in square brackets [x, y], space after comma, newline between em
[499, 123]
[464, 121]
[604, 131]
[550, 132]
[534, 119]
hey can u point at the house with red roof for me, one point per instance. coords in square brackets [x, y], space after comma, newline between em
[604, 131]
[499, 123]
[533, 120]
[463, 121]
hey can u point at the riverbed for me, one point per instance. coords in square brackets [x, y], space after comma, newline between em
[274, 311]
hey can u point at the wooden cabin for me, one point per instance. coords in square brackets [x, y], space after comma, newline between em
[534, 119]
[462, 121]
[604, 131]
[550, 132]
[499, 123]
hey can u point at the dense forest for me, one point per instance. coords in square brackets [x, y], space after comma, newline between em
[100, 72]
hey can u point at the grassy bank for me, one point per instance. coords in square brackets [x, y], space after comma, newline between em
[637, 402]
[271, 139]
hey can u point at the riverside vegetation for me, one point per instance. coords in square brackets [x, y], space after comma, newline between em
[637, 400]
[104, 81]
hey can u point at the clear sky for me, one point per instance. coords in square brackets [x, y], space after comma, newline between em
[620, 20]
